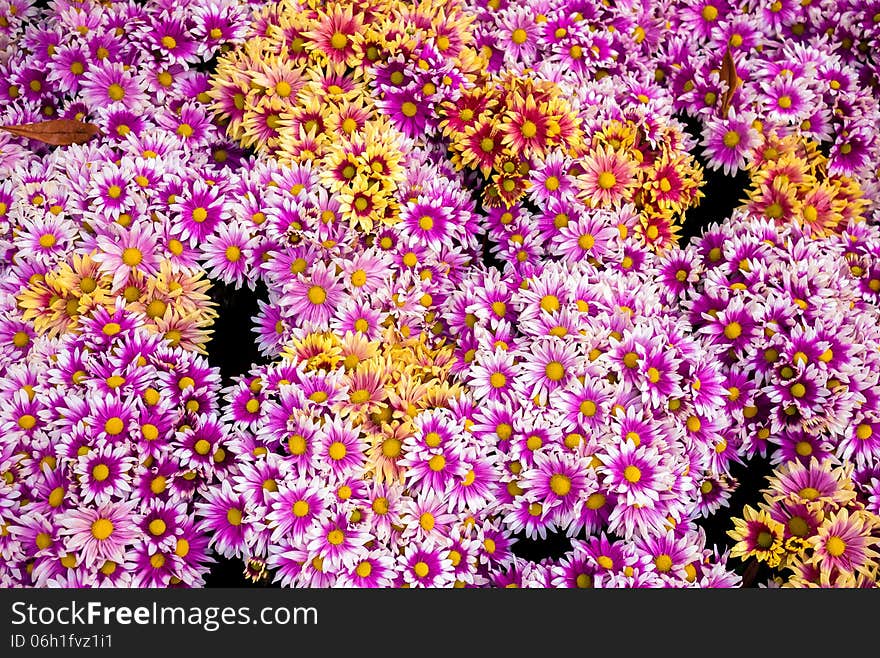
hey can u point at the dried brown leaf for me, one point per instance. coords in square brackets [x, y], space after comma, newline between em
[730, 78]
[57, 132]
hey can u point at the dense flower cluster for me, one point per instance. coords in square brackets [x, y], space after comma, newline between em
[607, 416]
[107, 436]
[362, 225]
[575, 118]
[797, 321]
[322, 274]
[812, 528]
[458, 221]
[135, 216]
[801, 68]
[791, 182]
[108, 418]
[356, 469]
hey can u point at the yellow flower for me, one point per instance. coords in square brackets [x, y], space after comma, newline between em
[319, 351]
[189, 331]
[758, 535]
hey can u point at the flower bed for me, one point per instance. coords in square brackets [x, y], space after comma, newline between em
[444, 294]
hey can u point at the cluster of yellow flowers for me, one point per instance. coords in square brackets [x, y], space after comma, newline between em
[337, 84]
[173, 302]
[503, 125]
[790, 183]
[666, 179]
[811, 528]
[385, 385]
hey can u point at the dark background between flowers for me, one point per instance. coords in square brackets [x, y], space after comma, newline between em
[233, 350]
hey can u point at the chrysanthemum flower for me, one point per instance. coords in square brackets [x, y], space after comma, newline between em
[313, 299]
[759, 536]
[607, 179]
[728, 142]
[844, 543]
[108, 83]
[130, 251]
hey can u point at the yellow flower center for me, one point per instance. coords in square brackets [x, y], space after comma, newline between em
[775, 210]
[731, 139]
[132, 257]
[798, 526]
[426, 521]
[765, 539]
[663, 563]
[835, 546]
[803, 448]
[809, 493]
[586, 241]
[337, 451]
[233, 516]
[100, 472]
[199, 214]
[27, 421]
[43, 541]
[20, 339]
[158, 484]
[233, 253]
[338, 41]
[588, 408]
[317, 295]
[296, 444]
[528, 129]
[56, 497]
[519, 36]
[560, 484]
[632, 474]
[391, 447]
[102, 529]
[607, 180]
[555, 371]
[114, 426]
[596, 501]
